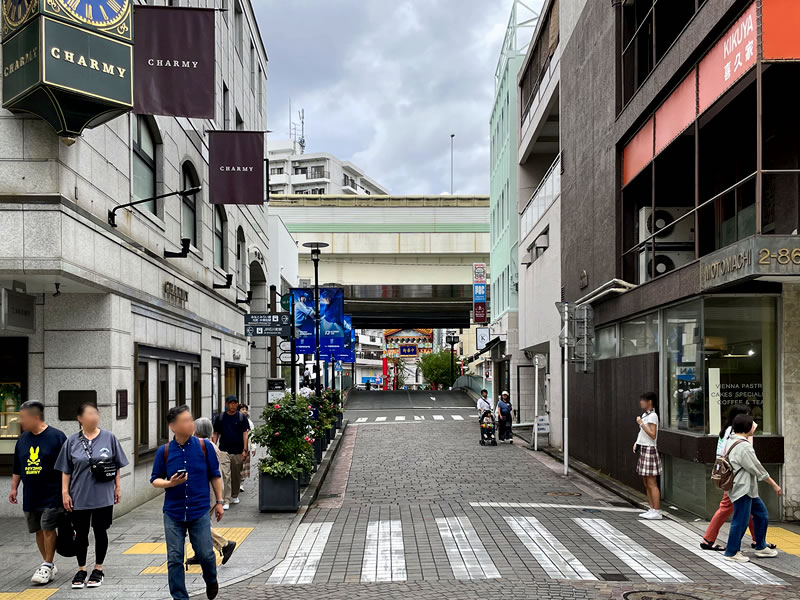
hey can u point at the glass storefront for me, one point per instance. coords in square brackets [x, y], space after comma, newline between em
[639, 335]
[684, 368]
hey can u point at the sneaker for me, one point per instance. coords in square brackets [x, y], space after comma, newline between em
[79, 580]
[235, 501]
[653, 515]
[227, 550]
[212, 589]
[95, 579]
[738, 557]
[44, 574]
[241, 488]
[645, 514]
[195, 560]
[226, 506]
[766, 553]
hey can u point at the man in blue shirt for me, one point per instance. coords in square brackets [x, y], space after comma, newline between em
[184, 467]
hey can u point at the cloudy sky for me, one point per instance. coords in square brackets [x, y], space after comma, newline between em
[385, 82]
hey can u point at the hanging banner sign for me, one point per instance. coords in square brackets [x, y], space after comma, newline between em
[479, 292]
[331, 312]
[347, 353]
[304, 321]
[236, 167]
[174, 61]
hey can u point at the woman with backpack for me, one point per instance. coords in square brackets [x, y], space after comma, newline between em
[747, 472]
[90, 462]
[725, 509]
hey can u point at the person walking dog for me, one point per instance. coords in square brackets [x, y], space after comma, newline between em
[184, 468]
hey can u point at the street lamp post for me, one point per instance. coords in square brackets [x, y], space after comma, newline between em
[315, 252]
[452, 136]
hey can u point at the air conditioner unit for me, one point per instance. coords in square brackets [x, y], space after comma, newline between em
[665, 261]
[681, 232]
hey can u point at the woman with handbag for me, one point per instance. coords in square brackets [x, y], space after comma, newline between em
[90, 462]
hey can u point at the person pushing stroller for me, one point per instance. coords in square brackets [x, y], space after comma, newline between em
[486, 419]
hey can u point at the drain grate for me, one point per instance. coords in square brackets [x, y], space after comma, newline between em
[652, 595]
[328, 496]
[562, 493]
[614, 577]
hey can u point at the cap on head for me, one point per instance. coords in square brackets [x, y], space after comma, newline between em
[504, 394]
[230, 399]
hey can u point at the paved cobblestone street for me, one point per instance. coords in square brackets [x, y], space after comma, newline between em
[421, 510]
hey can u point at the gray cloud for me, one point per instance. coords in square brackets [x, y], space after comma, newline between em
[384, 84]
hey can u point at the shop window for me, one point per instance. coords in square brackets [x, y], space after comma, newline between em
[189, 204]
[741, 359]
[142, 406]
[220, 225]
[639, 335]
[606, 342]
[13, 392]
[180, 385]
[144, 162]
[234, 382]
[241, 259]
[197, 398]
[70, 400]
[163, 403]
[684, 368]
[216, 390]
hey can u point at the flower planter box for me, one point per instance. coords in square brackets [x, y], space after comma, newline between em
[332, 432]
[339, 419]
[278, 494]
[305, 479]
[319, 446]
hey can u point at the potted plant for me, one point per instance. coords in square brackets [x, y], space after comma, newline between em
[285, 435]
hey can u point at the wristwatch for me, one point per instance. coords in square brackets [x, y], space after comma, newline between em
[220, 501]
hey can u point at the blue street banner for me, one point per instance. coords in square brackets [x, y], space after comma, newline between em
[303, 320]
[348, 352]
[331, 312]
[479, 292]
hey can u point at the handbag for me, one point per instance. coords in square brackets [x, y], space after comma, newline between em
[65, 536]
[103, 469]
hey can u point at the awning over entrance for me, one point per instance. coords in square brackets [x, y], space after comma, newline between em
[489, 347]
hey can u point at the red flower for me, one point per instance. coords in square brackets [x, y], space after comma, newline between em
[277, 433]
[277, 407]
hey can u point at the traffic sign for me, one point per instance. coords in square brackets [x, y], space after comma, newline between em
[286, 301]
[266, 324]
[452, 339]
[338, 368]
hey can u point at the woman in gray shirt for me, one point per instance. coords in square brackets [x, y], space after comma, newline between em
[89, 500]
[748, 471]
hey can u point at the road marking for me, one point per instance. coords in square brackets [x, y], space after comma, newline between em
[686, 538]
[552, 555]
[546, 505]
[438, 418]
[380, 419]
[788, 541]
[384, 555]
[302, 559]
[644, 563]
[234, 534]
[29, 594]
[361, 420]
[465, 551]
[457, 417]
[419, 418]
[400, 418]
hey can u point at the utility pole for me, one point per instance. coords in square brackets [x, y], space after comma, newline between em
[452, 135]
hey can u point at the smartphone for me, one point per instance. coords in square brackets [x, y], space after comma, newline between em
[180, 472]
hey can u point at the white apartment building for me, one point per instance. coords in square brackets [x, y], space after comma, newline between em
[103, 315]
[291, 171]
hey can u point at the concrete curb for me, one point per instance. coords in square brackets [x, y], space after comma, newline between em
[307, 499]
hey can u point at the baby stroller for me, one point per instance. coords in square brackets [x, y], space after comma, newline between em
[487, 425]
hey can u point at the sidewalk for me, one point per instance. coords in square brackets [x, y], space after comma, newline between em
[136, 563]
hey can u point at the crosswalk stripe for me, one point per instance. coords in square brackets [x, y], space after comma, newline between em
[380, 419]
[457, 417]
[552, 555]
[550, 505]
[419, 418]
[400, 418]
[467, 556]
[303, 556]
[384, 555]
[745, 572]
[646, 564]
[361, 420]
[438, 418]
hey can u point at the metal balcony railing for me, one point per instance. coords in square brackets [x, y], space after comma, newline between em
[549, 189]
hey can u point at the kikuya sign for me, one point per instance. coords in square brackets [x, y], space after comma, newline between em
[174, 59]
[68, 61]
[236, 167]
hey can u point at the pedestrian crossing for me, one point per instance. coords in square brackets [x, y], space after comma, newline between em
[554, 546]
[407, 419]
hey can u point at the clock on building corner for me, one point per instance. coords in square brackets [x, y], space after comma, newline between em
[109, 17]
[16, 13]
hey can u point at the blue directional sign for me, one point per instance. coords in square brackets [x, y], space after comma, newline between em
[479, 292]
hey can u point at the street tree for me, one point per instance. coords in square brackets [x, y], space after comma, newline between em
[436, 368]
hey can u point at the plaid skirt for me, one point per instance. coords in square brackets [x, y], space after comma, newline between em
[649, 464]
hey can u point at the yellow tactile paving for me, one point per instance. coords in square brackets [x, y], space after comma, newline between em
[147, 548]
[235, 534]
[786, 540]
[39, 594]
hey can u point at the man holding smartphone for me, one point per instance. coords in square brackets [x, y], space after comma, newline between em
[184, 468]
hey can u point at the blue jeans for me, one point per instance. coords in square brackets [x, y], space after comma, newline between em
[200, 536]
[742, 509]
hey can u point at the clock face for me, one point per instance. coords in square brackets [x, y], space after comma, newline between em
[100, 13]
[15, 11]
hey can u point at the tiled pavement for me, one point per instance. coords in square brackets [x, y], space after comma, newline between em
[426, 512]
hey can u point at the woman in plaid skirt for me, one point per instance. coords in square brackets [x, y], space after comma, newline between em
[649, 465]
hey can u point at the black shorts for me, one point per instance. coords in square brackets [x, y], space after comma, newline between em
[96, 518]
[43, 520]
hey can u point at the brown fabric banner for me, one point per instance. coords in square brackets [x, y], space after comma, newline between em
[236, 167]
[173, 56]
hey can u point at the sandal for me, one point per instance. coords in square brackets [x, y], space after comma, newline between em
[706, 545]
[770, 546]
